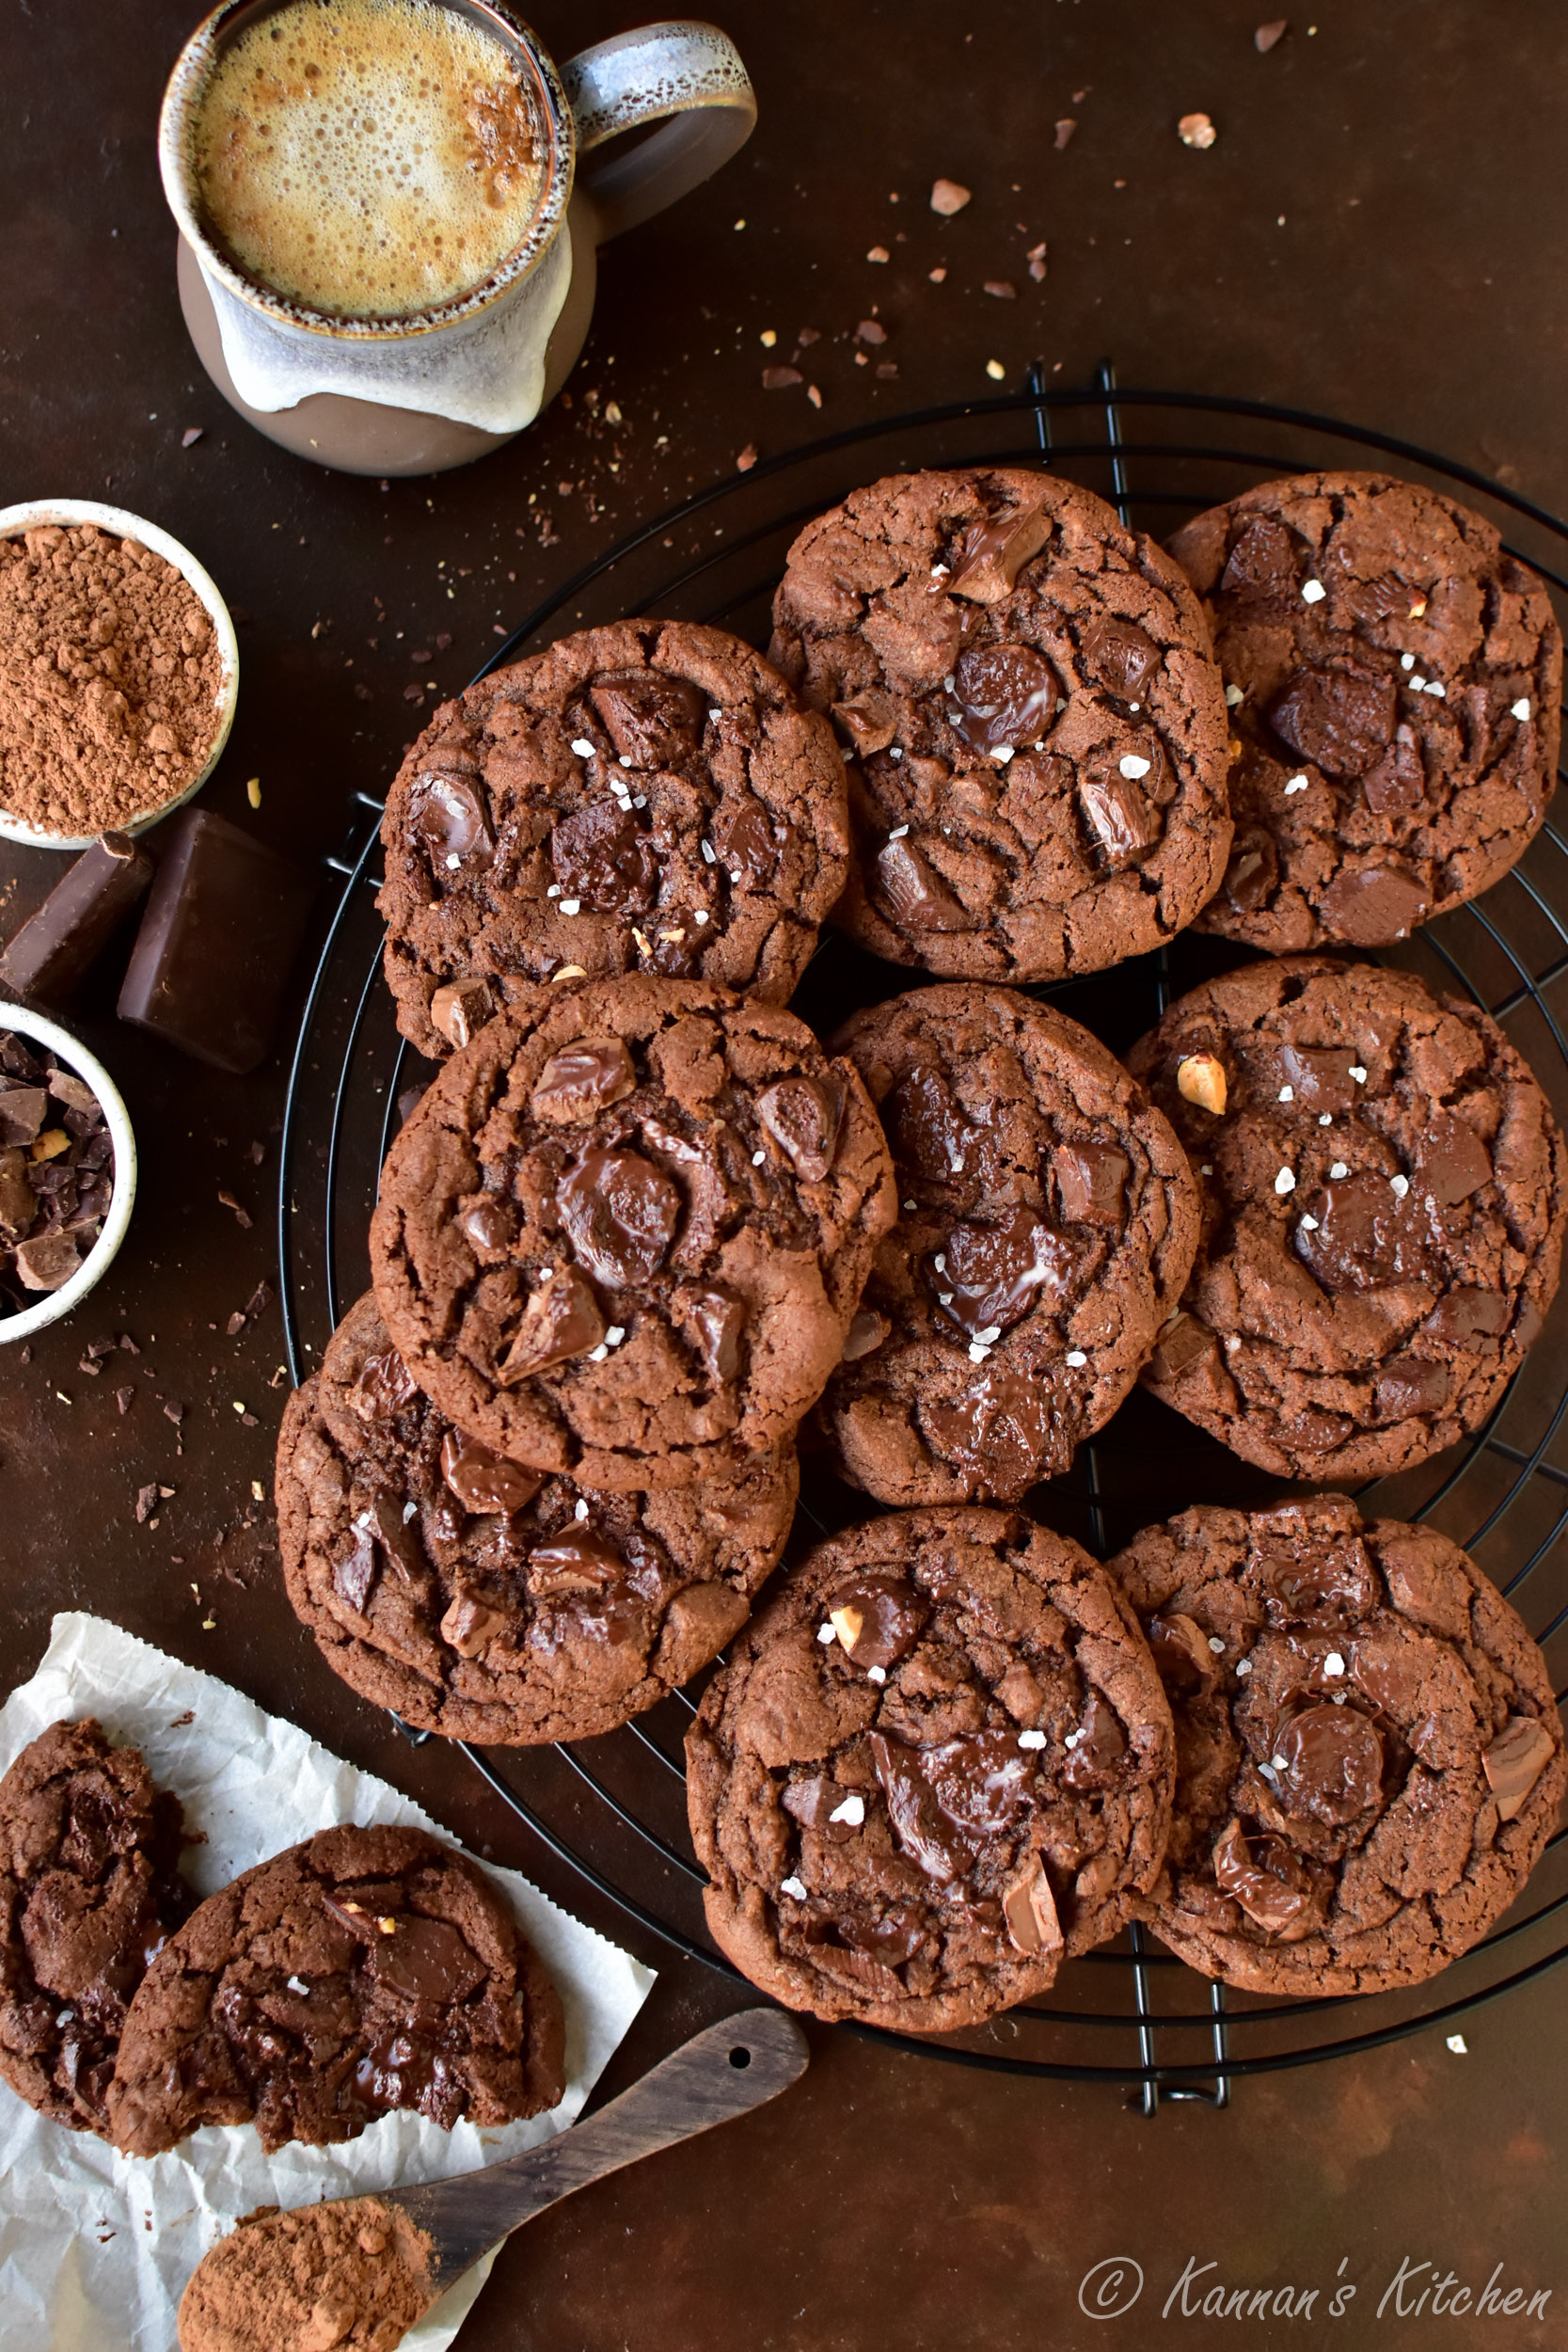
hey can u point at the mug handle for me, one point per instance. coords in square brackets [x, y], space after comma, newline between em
[688, 71]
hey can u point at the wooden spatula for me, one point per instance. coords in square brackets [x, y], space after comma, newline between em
[272, 2282]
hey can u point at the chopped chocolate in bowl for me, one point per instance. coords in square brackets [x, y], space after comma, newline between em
[936, 1765]
[56, 1172]
[487, 1601]
[1372, 1763]
[649, 797]
[118, 671]
[1047, 1221]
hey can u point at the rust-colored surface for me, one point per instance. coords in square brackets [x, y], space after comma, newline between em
[1416, 284]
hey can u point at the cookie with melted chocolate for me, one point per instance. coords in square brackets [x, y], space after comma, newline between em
[1046, 1229]
[364, 1970]
[1368, 1756]
[623, 1235]
[649, 797]
[939, 1762]
[89, 1889]
[1384, 1190]
[1033, 718]
[491, 1602]
[1395, 679]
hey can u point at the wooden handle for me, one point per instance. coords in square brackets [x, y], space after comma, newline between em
[722, 2071]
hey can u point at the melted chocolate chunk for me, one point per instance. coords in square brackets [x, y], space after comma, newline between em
[1396, 785]
[712, 1320]
[929, 1132]
[1340, 719]
[1333, 1584]
[1262, 563]
[483, 1481]
[489, 1226]
[1271, 1883]
[1468, 1315]
[980, 1781]
[426, 1961]
[561, 1320]
[1118, 820]
[1452, 1161]
[448, 817]
[1515, 1761]
[1373, 904]
[914, 892]
[384, 1386]
[619, 1214]
[1366, 1236]
[1331, 1766]
[576, 1560]
[582, 1080]
[1003, 1425]
[918, 1824]
[1319, 1076]
[882, 1616]
[1253, 874]
[1004, 694]
[749, 841]
[990, 554]
[1408, 1385]
[1122, 658]
[1091, 1183]
[602, 857]
[653, 721]
[803, 1117]
[993, 1272]
[1182, 1658]
[1099, 1748]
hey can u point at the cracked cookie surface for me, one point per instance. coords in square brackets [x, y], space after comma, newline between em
[490, 1602]
[937, 1764]
[364, 1970]
[1046, 1227]
[624, 1232]
[1368, 1756]
[1397, 678]
[646, 796]
[1384, 1193]
[1033, 718]
[90, 1887]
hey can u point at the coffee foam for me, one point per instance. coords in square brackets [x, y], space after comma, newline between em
[369, 158]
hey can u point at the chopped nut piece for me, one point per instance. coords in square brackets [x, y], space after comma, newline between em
[1197, 131]
[847, 1624]
[948, 197]
[1200, 1080]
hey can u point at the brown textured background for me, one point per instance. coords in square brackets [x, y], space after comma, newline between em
[1416, 284]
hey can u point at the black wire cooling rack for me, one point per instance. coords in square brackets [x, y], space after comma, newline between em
[613, 1808]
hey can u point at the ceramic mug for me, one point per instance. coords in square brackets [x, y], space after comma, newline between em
[415, 394]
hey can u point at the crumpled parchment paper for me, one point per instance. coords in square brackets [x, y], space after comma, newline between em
[96, 2247]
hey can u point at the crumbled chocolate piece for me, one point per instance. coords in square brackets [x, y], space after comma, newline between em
[56, 1181]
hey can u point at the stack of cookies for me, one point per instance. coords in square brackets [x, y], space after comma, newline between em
[645, 1232]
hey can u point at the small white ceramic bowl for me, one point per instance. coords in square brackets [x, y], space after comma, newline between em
[51, 1305]
[33, 515]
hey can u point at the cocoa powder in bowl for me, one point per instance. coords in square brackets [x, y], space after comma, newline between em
[110, 674]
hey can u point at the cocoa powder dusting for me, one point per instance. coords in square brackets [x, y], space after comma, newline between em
[109, 679]
[353, 2274]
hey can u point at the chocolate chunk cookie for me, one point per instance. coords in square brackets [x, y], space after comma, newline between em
[365, 1970]
[937, 1763]
[489, 1601]
[1033, 719]
[1395, 679]
[1368, 1756]
[1383, 1197]
[90, 1887]
[623, 1233]
[1047, 1225]
[645, 798]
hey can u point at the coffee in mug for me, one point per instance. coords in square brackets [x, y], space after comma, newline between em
[369, 159]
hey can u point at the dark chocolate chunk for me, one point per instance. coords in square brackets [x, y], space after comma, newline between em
[802, 1116]
[1091, 1183]
[1262, 563]
[602, 857]
[1328, 1764]
[1003, 694]
[991, 1273]
[1122, 658]
[1452, 1161]
[483, 1481]
[619, 1214]
[1396, 785]
[58, 945]
[877, 1618]
[582, 1080]
[1370, 905]
[1340, 719]
[1270, 1882]
[1117, 818]
[448, 817]
[222, 926]
[1253, 874]
[653, 721]
[914, 892]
